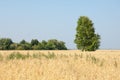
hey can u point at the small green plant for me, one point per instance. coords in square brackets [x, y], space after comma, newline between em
[20, 56]
[61, 55]
[49, 55]
[115, 63]
[17, 55]
[28, 55]
[81, 55]
[102, 63]
[76, 56]
[88, 57]
[94, 59]
[38, 56]
[1, 57]
[44, 55]
[11, 56]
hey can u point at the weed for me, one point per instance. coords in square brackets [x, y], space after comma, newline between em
[61, 55]
[88, 57]
[102, 63]
[81, 55]
[44, 55]
[17, 56]
[76, 56]
[49, 55]
[11, 56]
[36, 56]
[28, 55]
[115, 63]
[1, 57]
[94, 59]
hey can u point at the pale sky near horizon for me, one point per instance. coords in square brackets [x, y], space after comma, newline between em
[57, 19]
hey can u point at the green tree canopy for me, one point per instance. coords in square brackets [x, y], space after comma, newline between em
[24, 45]
[85, 38]
[34, 42]
[5, 43]
[52, 44]
[23, 42]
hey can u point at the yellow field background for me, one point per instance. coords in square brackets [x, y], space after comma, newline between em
[66, 65]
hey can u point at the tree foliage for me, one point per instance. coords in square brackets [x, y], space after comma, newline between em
[52, 44]
[5, 43]
[57, 45]
[34, 42]
[86, 39]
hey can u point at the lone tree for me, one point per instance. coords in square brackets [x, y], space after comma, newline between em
[86, 39]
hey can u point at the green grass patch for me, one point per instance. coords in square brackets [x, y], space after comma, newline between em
[17, 55]
[49, 55]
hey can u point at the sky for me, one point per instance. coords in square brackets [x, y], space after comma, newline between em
[57, 19]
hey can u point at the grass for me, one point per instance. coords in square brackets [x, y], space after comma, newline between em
[102, 62]
[94, 60]
[1, 57]
[59, 65]
[115, 63]
[49, 55]
[17, 55]
[38, 56]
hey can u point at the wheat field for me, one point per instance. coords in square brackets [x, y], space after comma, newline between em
[60, 65]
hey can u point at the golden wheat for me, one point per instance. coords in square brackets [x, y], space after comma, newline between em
[66, 65]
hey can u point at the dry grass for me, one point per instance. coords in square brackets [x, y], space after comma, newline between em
[65, 65]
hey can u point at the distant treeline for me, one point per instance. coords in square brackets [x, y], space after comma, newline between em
[52, 44]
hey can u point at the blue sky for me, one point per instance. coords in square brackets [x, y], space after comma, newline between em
[57, 19]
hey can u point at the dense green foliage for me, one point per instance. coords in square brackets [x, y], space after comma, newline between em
[5, 43]
[53, 44]
[86, 39]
